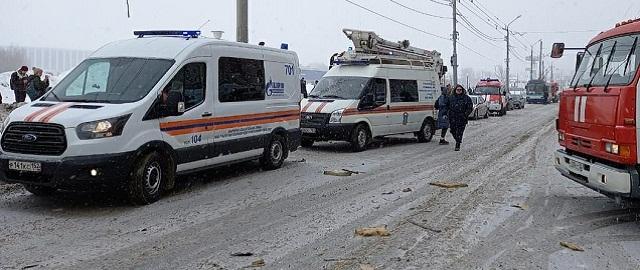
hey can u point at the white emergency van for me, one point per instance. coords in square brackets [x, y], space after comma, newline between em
[381, 88]
[138, 112]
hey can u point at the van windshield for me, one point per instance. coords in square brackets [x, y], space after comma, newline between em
[110, 80]
[340, 87]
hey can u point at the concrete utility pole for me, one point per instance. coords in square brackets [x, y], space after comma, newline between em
[508, 50]
[541, 68]
[242, 21]
[532, 67]
[454, 57]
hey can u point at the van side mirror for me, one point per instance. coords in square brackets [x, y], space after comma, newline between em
[174, 105]
[557, 50]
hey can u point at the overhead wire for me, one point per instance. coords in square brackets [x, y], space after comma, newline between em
[417, 29]
[418, 11]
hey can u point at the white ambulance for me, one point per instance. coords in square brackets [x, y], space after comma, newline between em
[382, 88]
[138, 112]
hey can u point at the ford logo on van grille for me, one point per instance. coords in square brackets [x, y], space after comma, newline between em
[308, 117]
[29, 138]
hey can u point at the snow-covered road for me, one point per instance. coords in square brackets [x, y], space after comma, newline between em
[298, 218]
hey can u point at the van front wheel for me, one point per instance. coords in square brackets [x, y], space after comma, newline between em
[360, 138]
[426, 131]
[146, 180]
[275, 153]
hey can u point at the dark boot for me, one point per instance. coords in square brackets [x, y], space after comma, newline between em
[457, 146]
[443, 142]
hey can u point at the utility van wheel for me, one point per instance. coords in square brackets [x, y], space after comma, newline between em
[426, 131]
[146, 180]
[275, 153]
[307, 142]
[40, 191]
[360, 138]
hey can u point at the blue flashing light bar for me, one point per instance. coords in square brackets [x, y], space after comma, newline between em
[284, 46]
[175, 33]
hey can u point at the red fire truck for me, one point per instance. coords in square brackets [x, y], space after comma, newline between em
[492, 91]
[599, 114]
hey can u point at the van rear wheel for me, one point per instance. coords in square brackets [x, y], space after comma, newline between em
[146, 180]
[426, 131]
[40, 191]
[275, 153]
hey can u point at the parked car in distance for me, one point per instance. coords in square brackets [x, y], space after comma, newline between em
[480, 108]
[518, 101]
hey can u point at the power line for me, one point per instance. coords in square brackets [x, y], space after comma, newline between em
[439, 3]
[418, 11]
[396, 21]
[417, 29]
[466, 20]
[492, 26]
[559, 32]
[486, 11]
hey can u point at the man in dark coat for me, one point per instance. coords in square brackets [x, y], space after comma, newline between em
[442, 105]
[18, 83]
[37, 87]
[460, 106]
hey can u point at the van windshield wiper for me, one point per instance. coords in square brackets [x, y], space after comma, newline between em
[91, 101]
[313, 96]
[333, 96]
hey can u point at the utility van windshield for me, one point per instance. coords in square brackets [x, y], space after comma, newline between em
[340, 87]
[610, 62]
[110, 80]
[487, 90]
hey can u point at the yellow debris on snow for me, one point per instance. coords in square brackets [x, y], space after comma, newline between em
[374, 231]
[571, 246]
[448, 185]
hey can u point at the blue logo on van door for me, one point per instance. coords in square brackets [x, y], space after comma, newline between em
[275, 88]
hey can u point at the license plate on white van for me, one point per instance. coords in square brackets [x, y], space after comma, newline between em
[308, 130]
[24, 166]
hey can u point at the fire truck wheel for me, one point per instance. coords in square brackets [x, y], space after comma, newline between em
[360, 138]
[40, 191]
[426, 131]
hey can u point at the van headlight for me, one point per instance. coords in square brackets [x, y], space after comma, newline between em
[103, 128]
[336, 116]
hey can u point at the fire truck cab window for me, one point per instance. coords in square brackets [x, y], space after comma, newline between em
[613, 62]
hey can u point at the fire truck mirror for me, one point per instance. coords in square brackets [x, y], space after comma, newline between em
[579, 58]
[558, 50]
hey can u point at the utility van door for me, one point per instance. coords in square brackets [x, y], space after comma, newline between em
[373, 105]
[190, 134]
[240, 106]
[405, 110]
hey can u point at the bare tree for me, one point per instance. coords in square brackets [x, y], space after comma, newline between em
[12, 58]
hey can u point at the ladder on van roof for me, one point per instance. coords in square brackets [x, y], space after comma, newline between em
[369, 43]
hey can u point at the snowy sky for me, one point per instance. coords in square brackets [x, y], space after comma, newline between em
[311, 27]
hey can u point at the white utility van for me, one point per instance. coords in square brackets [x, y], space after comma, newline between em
[383, 88]
[138, 112]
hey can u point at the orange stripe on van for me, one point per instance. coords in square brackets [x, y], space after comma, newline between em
[225, 118]
[37, 113]
[319, 109]
[393, 109]
[230, 126]
[307, 106]
[56, 112]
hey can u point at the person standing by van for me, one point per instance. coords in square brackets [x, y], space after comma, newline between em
[442, 105]
[18, 83]
[459, 108]
[36, 86]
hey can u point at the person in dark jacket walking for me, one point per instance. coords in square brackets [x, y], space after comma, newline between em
[18, 83]
[442, 105]
[37, 87]
[460, 106]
